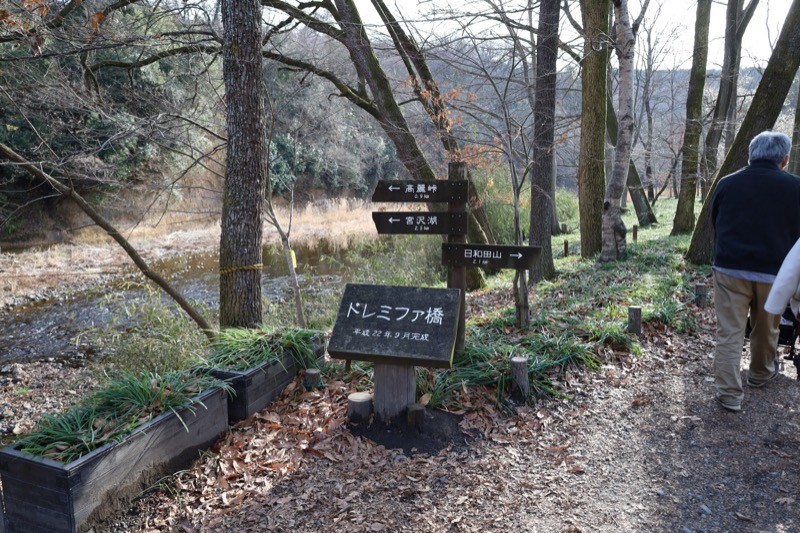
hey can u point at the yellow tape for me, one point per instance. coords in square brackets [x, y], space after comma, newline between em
[231, 270]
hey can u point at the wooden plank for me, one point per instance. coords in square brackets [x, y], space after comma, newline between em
[256, 388]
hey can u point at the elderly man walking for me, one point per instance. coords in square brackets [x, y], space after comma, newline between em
[756, 217]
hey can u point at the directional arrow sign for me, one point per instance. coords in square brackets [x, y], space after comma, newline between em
[451, 191]
[421, 222]
[485, 255]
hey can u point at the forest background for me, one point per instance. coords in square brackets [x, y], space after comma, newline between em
[121, 109]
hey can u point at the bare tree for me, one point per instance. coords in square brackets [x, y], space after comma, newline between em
[591, 167]
[542, 167]
[723, 121]
[613, 233]
[763, 112]
[684, 213]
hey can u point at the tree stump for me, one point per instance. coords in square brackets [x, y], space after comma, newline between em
[312, 378]
[635, 319]
[395, 390]
[519, 376]
[359, 407]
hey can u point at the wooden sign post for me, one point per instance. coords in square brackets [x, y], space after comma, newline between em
[396, 328]
[453, 223]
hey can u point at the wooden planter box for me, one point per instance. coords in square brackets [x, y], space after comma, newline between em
[42, 495]
[255, 388]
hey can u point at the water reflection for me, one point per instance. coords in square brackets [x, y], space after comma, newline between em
[51, 327]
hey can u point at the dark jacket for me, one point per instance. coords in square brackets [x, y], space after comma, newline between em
[756, 217]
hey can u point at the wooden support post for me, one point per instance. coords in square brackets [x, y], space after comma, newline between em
[359, 407]
[416, 417]
[563, 228]
[519, 375]
[566, 248]
[457, 275]
[635, 232]
[700, 295]
[395, 390]
[635, 319]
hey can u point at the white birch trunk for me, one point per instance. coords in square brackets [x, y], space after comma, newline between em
[613, 229]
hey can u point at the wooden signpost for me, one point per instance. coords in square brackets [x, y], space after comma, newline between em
[396, 328]
[400, 327]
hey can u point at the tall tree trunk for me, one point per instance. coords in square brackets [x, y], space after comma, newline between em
[762, 114]
[613, 231]
[794, 159]
[240, 252]
[736, 21]
[542, 171]
[369, 70]
[591, 164]
[684, 213]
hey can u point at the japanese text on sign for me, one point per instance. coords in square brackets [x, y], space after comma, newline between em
[482, 257]
[433, 315]
[388, 335]
[420, 190]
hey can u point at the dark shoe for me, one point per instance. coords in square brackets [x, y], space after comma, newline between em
[735, 407]
[759, 384]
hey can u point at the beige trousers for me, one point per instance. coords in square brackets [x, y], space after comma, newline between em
[733, 298]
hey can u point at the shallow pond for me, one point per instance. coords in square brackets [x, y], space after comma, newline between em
[51, 327]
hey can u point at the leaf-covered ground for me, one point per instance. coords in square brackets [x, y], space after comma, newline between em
[641, 446]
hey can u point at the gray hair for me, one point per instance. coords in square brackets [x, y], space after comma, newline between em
[770, 145]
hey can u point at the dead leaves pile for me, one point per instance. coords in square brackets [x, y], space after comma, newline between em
[273, 469]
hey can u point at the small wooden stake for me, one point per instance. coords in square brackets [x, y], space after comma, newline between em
[563, 228]
[359, 407]
[566, 248]
[635, 232]
[635, 319]
[519, 374]
[700, 294]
